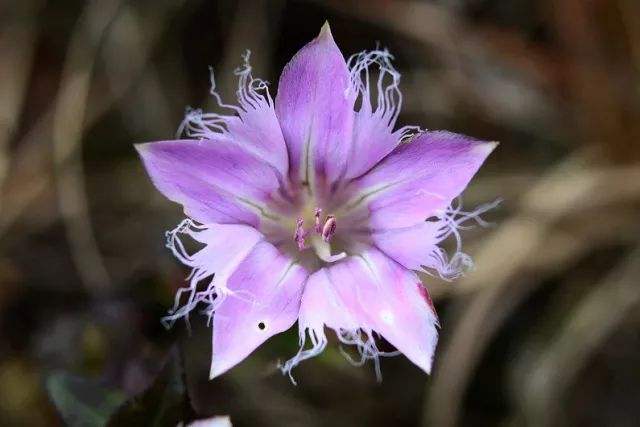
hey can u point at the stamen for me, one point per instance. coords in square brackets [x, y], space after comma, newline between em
[317, 214]
[329, 228]
[300, 234]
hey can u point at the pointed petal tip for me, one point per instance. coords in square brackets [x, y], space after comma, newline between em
[424, 362]
[487, 147]
[427, 369]
[141, 147]
[493, 145]
[325, 31]
[217, 369]
[148, 149]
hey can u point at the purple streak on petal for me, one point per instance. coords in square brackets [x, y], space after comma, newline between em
[315, 111]
[418, 179]
[364, 294]
[263, 300]
[215, 181]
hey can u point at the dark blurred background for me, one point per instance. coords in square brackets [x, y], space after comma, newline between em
[545, 330]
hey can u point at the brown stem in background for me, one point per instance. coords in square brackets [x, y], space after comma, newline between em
[541, 384]
[68, 126]
[17, 42]
[521, 245]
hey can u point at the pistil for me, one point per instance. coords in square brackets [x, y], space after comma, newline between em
[323, 250]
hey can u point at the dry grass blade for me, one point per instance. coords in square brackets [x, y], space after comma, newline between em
[251, 29]
[68, 125]
[17, 40]
[548, 315]
[518, 246]
[23, 187]
[540, 383]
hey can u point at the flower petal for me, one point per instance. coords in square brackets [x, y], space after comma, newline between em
[364, 294]
[215, 181]
[257, 131]
[225, 247]
[263, 300]
[380, 100]
[418, 179]
[315, 110]
[373, 139]
[411, 246]
[257, 128]
[254, 126]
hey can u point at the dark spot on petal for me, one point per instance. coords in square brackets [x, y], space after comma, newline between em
[261, 326]
[433, 219]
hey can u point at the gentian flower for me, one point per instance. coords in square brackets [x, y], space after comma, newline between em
[315, 208]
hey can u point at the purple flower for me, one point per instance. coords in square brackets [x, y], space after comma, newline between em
[315, 208]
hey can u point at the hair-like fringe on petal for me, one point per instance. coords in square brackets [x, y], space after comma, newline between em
[318, 343]
[212, 295]
[388, 97]
[452, 221]
[363, 340]
[252, 93]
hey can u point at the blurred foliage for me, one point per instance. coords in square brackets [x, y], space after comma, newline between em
[164, 403]
[545, 330]
[82, 402]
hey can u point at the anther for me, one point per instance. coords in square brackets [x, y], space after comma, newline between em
[329, 228]
[300, 234]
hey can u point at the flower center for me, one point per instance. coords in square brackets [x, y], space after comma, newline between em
[318, 237]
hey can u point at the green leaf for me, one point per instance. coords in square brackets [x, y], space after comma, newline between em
[165, 403]
[81, 401]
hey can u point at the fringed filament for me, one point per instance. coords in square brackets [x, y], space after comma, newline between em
[252, 94]
[452, 221]
[212, 296]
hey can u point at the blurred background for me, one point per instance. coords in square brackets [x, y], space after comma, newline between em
[546, 329]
